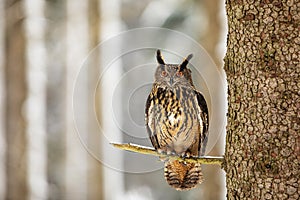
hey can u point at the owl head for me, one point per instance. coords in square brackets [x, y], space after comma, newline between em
[172, 75]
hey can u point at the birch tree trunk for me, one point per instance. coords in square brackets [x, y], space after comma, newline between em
[262, 66]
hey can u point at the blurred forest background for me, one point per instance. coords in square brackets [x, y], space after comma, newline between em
[44, 45]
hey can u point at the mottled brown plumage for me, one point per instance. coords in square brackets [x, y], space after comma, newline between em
[177, 121]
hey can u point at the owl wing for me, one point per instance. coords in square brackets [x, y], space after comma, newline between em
[204, 118]
[150, 121]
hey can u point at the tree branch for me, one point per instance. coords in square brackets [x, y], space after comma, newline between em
[150, 151]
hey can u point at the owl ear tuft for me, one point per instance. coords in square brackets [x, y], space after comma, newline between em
[159, 57]
[185, 62]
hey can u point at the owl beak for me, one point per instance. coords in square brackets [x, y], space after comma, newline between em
[171, 81]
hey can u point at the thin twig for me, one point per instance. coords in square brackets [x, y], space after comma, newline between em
[150, 151]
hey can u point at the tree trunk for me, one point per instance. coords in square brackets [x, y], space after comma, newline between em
[94, 173]
[55, 38]
[262, 66]
[15, 95]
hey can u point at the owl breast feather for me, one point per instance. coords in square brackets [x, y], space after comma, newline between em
[173, 119]
[178, 122]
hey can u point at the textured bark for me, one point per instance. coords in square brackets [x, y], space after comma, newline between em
[262, 66]
[15, 82]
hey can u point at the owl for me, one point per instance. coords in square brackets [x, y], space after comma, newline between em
[177, 122]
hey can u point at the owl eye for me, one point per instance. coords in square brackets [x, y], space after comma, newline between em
[163, 73]
[179, 74]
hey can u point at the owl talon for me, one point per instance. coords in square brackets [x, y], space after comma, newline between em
[170, 153]
[162, 151]
[186, 155]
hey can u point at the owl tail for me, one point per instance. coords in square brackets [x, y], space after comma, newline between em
[183, 176]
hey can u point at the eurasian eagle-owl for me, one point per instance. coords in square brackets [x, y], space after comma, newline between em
[177, 121]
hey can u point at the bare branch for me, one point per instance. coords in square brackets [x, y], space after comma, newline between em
[150, 151]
